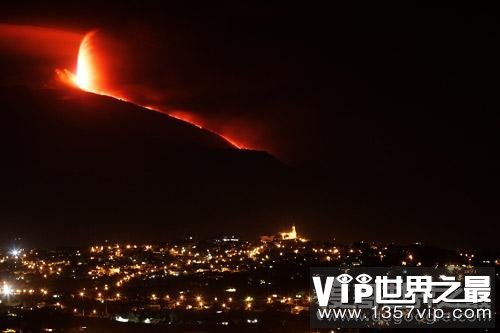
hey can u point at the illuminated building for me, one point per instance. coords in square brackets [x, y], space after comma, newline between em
[283, 236]
[289, 235]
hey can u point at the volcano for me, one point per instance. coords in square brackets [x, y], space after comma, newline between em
[79, 161]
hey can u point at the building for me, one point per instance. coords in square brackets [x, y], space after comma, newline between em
[283, 236]
[292, 234]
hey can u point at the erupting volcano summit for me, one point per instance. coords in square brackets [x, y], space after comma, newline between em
[88, 78]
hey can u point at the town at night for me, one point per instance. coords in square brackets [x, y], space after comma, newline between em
[221, 282]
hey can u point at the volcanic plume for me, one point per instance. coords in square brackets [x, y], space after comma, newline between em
[30, 53]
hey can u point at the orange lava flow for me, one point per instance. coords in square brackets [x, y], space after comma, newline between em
[189, 119]
[88, 78]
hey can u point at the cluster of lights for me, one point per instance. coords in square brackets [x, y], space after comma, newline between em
[109, 268]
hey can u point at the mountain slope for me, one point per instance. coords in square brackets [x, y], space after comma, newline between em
[103, 168]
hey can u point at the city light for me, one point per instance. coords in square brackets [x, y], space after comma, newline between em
[115, 276]
[7, 289]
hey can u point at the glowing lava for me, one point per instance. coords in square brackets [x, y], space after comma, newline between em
[88, 78]
[84, 74]
[85, 77]
[189, 119]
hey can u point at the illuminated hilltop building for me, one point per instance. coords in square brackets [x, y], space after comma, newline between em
[284, 236]
[289, 235]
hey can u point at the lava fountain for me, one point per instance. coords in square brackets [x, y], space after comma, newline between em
[85, 77]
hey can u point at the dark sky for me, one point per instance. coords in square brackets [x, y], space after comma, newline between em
[390, 114]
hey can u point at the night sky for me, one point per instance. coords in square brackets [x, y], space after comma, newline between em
[379, 122]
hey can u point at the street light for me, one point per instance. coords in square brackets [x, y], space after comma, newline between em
[7, 290]
[15, 252]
